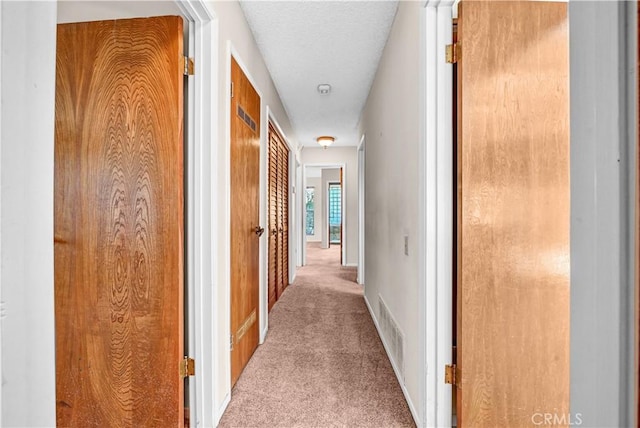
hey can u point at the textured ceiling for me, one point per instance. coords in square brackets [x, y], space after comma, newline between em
[307, 43]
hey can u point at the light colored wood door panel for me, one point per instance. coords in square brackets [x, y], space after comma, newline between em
[514, 202]
[119, 223]
[245, 218]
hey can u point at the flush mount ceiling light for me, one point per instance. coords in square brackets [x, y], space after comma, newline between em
[324, 89]
[325, 141]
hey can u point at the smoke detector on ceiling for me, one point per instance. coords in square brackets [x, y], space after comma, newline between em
[324, 89]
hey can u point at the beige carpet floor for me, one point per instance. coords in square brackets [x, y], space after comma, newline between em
[322, 364]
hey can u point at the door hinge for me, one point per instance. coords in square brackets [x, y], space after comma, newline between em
[231, 341]
[452, 53]
[189, 68]
[450, 375]
[187, 367]
[231, 89]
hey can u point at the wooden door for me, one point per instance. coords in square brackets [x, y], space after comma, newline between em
[119, 223]
[245, 219]
[279, 220]
[514, 200]
[278, 215]
[283, 223]
[273, 216]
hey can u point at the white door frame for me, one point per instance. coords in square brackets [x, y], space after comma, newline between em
[264, 244]
[202, 255]
[226, 211]
[1, 242]
[436, 212]
[361, 210]
[291, 193]
[202, 186]
[343, 248]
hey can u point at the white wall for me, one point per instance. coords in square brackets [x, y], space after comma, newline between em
[233, 30]
[27, 90]
[391, 124]
[318, 204]
[602, 166]
[82, 10]
[348, 156]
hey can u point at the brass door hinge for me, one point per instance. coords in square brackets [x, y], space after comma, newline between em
[231, 341]
[450, 375]
[231, 89]
[452, 53]
[187, 367]
[189, 67]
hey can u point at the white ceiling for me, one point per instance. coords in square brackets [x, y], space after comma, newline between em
[307, 43]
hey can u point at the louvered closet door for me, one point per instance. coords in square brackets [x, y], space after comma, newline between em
[284, 224]
[279, 209]
[278, 215]
[273, 222]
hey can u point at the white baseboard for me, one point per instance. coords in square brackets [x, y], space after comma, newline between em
[222, 408]
[412, 408]
[351, 264]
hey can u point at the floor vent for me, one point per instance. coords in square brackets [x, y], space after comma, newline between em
[393, 336]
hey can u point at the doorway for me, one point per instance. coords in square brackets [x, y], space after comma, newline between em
[200, 36]
[278, 207]
[35, 364]
[245, 228]
[324, 210]
[334, 198]
[361, 210]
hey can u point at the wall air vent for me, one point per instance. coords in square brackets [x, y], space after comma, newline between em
[393, 336]
[246, 118]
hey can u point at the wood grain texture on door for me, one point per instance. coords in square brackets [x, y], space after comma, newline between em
[245, 218]
[514, 202]
[119, 223]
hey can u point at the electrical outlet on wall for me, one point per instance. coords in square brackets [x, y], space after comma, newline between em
[406, 245]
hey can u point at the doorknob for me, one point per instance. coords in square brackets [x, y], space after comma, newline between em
[259, 230]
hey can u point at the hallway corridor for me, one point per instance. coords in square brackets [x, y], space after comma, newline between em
[322, 363]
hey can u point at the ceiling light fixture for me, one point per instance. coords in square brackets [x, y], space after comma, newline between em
[324, 89]
[325, 141]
